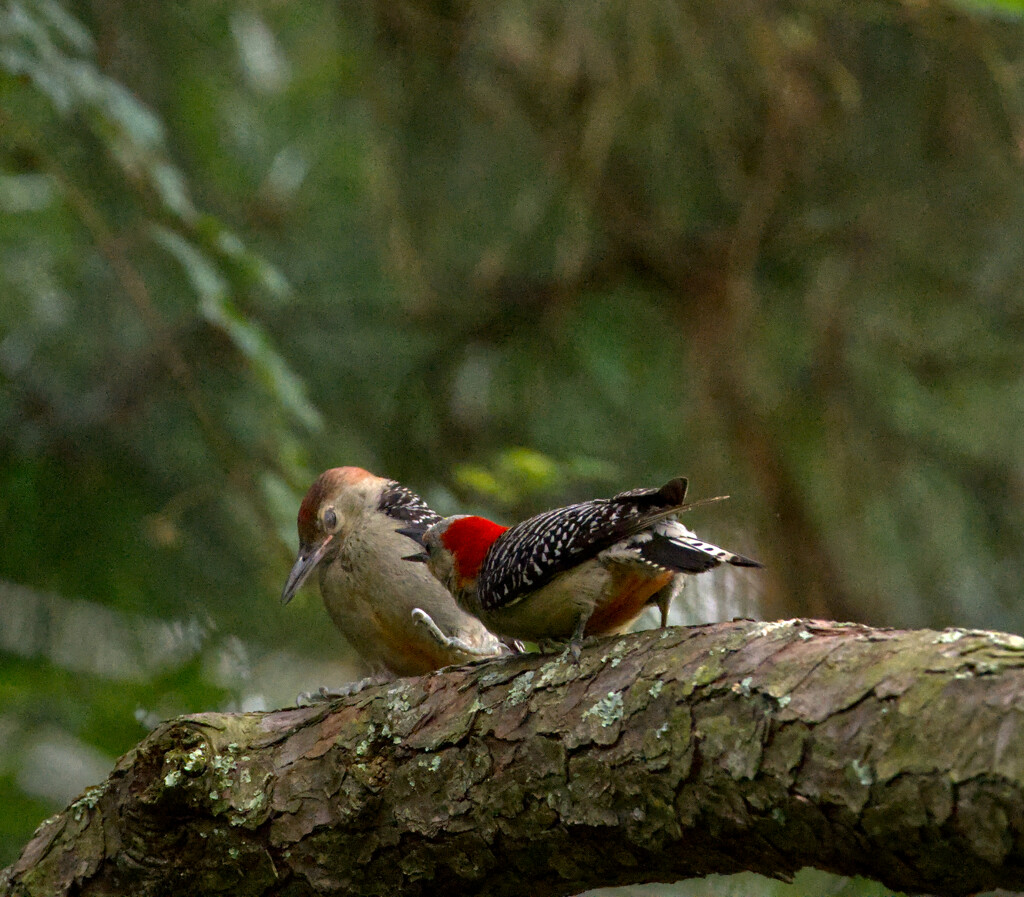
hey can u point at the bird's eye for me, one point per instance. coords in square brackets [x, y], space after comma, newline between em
[330, 520]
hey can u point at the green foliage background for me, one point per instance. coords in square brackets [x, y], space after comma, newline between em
[512, 254]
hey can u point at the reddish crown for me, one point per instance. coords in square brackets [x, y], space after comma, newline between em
[328, 486]
[468, 539]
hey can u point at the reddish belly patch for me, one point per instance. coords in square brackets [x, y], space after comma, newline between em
[624, 600]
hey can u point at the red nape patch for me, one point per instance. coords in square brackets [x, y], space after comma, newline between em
[468, 540]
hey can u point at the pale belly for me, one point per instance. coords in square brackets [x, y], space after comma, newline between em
[613, 596]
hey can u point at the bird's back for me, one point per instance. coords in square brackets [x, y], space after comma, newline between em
[530, 554]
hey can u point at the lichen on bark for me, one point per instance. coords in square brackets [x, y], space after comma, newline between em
[666, 754]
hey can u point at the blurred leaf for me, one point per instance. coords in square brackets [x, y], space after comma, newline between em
[1015, 7]
[251, 341]
[540, 252]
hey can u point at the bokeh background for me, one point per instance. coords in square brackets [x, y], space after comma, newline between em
[514, 255]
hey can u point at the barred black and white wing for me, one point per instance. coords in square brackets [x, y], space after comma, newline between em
[530, 554]
[405, 506]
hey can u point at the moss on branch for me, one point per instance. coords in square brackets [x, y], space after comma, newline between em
[666, 754]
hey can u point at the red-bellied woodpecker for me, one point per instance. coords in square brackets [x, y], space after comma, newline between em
[586, 569]
[396, 615]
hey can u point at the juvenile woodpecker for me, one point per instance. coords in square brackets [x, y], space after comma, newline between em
[396, 615]
[586, 569]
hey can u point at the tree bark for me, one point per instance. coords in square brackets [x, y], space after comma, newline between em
[897, 755]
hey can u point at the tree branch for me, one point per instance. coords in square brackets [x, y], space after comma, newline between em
[666, 754]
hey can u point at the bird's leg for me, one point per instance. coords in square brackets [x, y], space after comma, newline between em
[576, 642]
[664, 596]
[324, 694]
[448, 642]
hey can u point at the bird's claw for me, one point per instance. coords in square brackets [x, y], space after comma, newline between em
[324, 695]
[571, 652]
[321, 696]
[513, 645]
[448, 642]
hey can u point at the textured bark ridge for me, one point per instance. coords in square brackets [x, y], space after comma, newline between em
[898, 755]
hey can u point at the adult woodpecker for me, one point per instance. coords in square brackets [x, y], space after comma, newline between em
[586, 569]
[396, 615]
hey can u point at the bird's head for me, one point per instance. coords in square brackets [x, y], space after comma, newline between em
[454, 549]
[326, 514]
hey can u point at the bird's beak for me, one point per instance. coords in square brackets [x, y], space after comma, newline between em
[414, 532]
[420, 557]
[309, 557]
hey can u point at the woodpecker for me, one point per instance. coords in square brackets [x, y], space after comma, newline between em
[396, 615]
[586, 569]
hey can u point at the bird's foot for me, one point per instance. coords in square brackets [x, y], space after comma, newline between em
[512, 645]
[572, 651]
[449, 642]
[324, 694]
[575, 645]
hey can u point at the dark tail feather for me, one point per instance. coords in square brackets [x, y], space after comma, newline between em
[738, 560]
[673, 555]
[690, 556]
